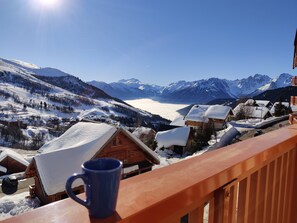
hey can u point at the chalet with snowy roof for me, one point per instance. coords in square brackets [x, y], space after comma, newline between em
[11, 162]
[219, 115]
[175, 139]
[63, 156]
[216, 114]
[263, 103]
[196, 116]
[257, 112]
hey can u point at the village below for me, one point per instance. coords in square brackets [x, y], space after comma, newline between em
[51, 122]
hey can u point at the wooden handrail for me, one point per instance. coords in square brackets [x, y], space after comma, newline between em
[169, 193]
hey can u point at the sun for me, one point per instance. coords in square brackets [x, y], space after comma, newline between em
[48, 3]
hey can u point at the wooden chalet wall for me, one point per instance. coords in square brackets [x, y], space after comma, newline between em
[123, 148]
[194, 123]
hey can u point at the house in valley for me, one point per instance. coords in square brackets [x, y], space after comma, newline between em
[264, 103]
[63, 156]
[257, 112]
[11, 162]
[196, 116]
[218, 115]
[175, 139]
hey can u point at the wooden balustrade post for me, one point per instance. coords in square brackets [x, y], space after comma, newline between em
[293, 208]
[225, 200]
[219, 197]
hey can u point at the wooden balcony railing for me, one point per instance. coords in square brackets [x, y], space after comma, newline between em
[253, 181]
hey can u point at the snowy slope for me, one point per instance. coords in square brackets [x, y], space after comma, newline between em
[24, 93]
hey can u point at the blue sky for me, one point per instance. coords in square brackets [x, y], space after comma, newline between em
[156, 41]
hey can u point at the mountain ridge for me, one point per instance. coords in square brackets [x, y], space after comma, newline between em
[199, 91]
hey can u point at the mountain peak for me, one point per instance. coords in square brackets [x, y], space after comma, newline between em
[130, 81]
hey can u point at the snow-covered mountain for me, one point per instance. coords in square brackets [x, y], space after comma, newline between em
[200, 91]
[128, 89]
[27, 90]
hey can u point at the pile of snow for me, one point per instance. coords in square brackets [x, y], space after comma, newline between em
[174, 137]
[11, 205]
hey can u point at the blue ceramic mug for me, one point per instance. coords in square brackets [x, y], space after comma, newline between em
[101, 178]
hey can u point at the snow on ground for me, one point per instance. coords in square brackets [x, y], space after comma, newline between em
[165, 110]
[11, 205]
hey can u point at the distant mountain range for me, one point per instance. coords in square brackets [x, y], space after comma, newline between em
[27, 90]
[200, 91]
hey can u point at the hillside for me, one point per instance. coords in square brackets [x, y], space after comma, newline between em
[45, 105]
[279, 94]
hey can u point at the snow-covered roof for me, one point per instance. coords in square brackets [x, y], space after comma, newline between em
[178, 121]
[218, 112]
[4, 153]
[286, 104]
[201, 113]
[197, 113]
[174, 137]
[257, 112]
[81, 134]
[262, 102]
[63, 156]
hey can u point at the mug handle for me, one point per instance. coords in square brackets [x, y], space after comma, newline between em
[70, 193]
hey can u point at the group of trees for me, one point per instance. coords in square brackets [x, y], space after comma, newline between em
[200, 136]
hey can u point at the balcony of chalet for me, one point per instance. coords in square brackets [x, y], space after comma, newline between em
[253, 181]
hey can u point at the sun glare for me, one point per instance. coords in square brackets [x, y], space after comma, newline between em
[48, 3]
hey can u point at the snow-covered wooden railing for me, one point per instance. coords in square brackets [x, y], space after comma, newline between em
[250, 181]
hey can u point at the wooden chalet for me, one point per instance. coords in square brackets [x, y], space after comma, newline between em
[11, 162]
[196, 116]
[63, 156]
[216, 114]
[176, 139]
[264, 103]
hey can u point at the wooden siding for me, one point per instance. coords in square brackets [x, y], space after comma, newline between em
[122, 148]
